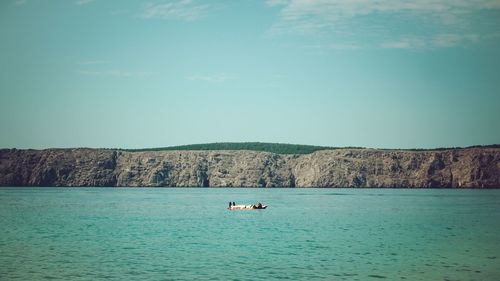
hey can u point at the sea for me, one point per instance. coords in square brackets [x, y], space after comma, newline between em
[304, 234]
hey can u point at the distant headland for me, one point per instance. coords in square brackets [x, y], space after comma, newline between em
[253, 164]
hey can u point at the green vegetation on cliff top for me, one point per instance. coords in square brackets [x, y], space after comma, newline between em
[279, 148]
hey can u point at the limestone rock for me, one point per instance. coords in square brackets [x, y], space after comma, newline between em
[472, 167]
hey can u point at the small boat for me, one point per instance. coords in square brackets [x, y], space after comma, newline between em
[247, 207]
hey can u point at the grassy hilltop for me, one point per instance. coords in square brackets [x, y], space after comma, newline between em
[279, 148]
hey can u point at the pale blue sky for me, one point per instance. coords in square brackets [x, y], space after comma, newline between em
[134, 74]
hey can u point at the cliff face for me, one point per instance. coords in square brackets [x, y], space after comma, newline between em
[475, 167]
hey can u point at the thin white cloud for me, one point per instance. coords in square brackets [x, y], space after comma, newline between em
[451, 40]
[83, 2]
[381, 19]
[330, 11]
[436, 41]
[185, 10]
[405, 43]
[19, 2]
[218, 78]
[115, 73]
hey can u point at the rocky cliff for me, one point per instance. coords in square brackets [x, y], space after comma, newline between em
[473, 167]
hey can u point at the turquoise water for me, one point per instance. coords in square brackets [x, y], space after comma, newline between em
[305, 234]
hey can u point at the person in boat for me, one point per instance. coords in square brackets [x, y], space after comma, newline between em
[257, 206]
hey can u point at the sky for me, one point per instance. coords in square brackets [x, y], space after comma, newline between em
[137, 74]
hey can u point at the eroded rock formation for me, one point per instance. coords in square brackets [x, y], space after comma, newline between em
[473, 167]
